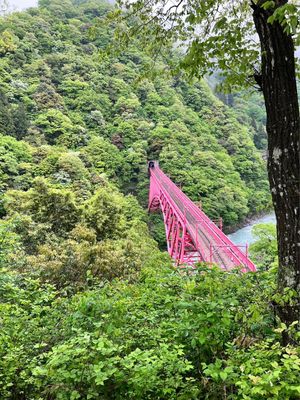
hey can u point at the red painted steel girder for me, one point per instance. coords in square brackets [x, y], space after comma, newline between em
[191, 236]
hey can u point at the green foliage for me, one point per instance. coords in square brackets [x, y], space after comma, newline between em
[104, 213]
[287, 16]
[155, 338]
[214, 36]
[250, 109]
[54, 124]
[9, 242]
[7, 42]
[104, 156]
[15, 167]
[90, 308]
[55, 91]
[47, 205]
[6, 119]
[138, 374]
[265, 370]
[264, 249]
[65, 239]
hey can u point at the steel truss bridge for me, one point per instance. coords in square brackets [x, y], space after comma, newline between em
[192, 237]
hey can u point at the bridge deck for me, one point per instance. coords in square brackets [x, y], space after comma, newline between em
[211, 243]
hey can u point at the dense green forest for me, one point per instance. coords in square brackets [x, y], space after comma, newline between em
[55, 91]
[90, 308]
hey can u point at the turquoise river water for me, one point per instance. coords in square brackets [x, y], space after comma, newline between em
[244, 235]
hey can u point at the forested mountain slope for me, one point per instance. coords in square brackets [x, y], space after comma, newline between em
[82, 116]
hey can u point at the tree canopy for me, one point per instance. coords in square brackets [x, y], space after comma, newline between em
[212, 36]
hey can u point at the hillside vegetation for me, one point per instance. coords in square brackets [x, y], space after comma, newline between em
[70, 105]
[90, 308]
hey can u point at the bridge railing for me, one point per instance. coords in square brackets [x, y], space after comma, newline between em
[193, 217]
[200, 216]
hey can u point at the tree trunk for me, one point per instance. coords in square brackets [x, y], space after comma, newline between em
[278, 83]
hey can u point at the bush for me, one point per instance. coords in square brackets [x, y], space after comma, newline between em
[167, 335]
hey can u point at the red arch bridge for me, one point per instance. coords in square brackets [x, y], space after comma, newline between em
[191, 235]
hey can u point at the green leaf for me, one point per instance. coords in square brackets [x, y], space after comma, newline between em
[268, 5]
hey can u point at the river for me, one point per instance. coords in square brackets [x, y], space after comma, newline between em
[244, 235]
